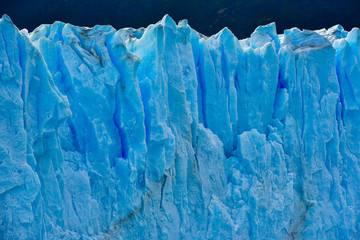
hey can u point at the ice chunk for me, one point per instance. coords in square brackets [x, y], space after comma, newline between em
[263, 35]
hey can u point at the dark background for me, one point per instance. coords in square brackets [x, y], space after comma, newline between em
[207, 17]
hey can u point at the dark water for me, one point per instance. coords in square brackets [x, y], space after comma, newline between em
[207, 17]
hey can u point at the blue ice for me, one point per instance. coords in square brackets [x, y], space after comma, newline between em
[164, 133]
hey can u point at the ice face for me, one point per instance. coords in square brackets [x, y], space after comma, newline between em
[163, 133]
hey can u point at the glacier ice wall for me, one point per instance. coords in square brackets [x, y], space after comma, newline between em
[163, 133]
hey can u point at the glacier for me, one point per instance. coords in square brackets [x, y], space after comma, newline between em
[164, 133]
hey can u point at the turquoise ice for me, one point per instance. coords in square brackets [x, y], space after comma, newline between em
[164, 133]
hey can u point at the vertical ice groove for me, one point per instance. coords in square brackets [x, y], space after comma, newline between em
[201, 90]
[22, 61]
[120, 83]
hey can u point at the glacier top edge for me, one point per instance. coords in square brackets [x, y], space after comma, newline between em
[261, 35]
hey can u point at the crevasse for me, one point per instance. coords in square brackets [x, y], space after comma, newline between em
[163, 133]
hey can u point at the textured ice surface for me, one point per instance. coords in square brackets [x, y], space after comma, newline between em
[163, 133]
